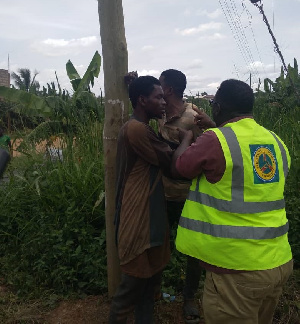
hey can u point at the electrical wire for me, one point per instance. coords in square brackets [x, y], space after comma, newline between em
[245, 41]
[233, 19]
[254, 38]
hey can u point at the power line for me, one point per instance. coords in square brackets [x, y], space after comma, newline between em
[273, 30]
[235, 36]
[235, 25]
[245, 43]
[242, 30]
[253, 35]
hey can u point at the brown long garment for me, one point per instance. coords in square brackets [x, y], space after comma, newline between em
[141, 222]
[178, 189]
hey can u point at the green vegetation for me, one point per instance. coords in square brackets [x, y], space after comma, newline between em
[52, 222]
[24, 81]
[278, 109]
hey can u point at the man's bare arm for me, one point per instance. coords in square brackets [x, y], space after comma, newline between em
[203, 120]
[186, 139]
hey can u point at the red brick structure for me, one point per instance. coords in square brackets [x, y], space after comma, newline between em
[4, 78]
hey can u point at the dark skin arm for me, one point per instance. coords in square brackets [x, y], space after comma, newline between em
[203, 120]
[186, 139]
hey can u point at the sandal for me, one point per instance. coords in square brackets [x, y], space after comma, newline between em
[190, 312]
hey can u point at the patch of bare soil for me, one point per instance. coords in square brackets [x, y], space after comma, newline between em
[95, 310]
[40, 147]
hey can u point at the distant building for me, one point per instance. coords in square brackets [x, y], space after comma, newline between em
[4, 78]
[208, 97]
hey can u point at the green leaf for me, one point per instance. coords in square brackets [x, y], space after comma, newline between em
[30, 104]
[71, 71]
[73, 75]
[92, 72]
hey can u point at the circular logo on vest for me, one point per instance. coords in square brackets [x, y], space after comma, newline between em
[264, 163]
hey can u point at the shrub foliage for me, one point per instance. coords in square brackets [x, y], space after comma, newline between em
[52, 223]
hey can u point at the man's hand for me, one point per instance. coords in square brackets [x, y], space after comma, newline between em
[185, 134]
[186, 138]
[203, 120]
[130, 76]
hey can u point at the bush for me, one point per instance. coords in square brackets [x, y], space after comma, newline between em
[52, 219]
[286, 124]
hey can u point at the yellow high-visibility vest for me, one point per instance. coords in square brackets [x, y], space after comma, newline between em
[240, 222]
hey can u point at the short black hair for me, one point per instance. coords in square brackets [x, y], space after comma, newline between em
[236, 96]
[141, 86]
[175, 79]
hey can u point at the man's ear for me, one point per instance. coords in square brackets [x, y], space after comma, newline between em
[169, 91]
[217, 109]
[142, 100]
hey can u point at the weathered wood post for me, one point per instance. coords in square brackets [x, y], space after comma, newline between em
[115, 66]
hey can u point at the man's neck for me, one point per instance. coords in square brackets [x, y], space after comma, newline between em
[140, 116]
[174, 107]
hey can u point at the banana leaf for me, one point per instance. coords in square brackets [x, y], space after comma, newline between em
[27, 103]
[73, 75]
[82, 84]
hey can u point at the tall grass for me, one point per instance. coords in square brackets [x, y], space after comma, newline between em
[52, 224]
[285, 122]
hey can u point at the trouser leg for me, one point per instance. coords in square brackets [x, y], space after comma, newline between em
[144, 308]
[267, 309]
[174, 209]
[193, 269]
[128, 294]
[248, 298]
[193, 274]
[230, 299]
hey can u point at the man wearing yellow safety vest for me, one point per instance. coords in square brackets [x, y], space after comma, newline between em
[234, 218]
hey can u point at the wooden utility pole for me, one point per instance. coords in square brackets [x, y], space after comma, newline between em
[115, 66]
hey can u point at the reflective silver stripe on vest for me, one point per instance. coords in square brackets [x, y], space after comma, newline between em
[234, 232]
[283, 154]
[240, 207]
[237, 204]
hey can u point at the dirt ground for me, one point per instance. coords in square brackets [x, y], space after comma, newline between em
[40, 147]
[95, 310]
[89, 310]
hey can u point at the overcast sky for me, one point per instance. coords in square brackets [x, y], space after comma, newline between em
[209, 40]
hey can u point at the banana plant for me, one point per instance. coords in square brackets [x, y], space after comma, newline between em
[83, 84]
[61, 111]
[53, 105]
[284, 90]
[27, 103]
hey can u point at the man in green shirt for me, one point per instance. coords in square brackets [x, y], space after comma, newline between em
[4, 141]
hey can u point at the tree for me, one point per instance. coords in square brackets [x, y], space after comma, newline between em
[115, 66]
[24, 81]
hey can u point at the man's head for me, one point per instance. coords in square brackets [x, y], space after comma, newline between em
[173, 83]
[234, 98]
[146, 93]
